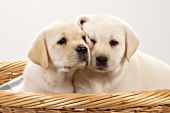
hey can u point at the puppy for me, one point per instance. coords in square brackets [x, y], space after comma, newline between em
[59, 49]
[115, 65]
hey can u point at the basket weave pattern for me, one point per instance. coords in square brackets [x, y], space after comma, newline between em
[140, 102]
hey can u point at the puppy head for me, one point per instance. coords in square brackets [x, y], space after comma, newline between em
[61, 45]
[113, 40]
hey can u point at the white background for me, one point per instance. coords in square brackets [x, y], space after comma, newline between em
[20, 20]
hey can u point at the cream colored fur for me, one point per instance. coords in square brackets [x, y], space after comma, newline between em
[52, 65]
[128, 69]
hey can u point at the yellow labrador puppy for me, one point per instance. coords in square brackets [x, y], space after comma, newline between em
[116, 66]
[59, 49]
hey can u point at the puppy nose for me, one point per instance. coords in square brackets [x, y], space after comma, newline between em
[81, 49]
[101, 59]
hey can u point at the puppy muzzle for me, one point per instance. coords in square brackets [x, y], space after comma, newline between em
[82, 52]
[101, 62]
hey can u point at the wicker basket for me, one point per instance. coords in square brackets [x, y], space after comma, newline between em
[140, 102]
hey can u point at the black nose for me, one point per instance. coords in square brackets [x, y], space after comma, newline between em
[81, 49]
[101, 59]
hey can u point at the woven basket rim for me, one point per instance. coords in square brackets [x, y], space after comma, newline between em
[155, 100]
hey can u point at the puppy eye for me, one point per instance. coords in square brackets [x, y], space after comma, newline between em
[114, 43]
[84, 38]
[61, 41]
[93, 41]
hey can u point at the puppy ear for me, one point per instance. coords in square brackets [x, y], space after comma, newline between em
[81, 20]
[131, 41]
[38, 52]
[89, 42]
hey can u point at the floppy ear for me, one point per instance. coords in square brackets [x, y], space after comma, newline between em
[131, 41]
[80, 21]
[88, 42]
[38, 52]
